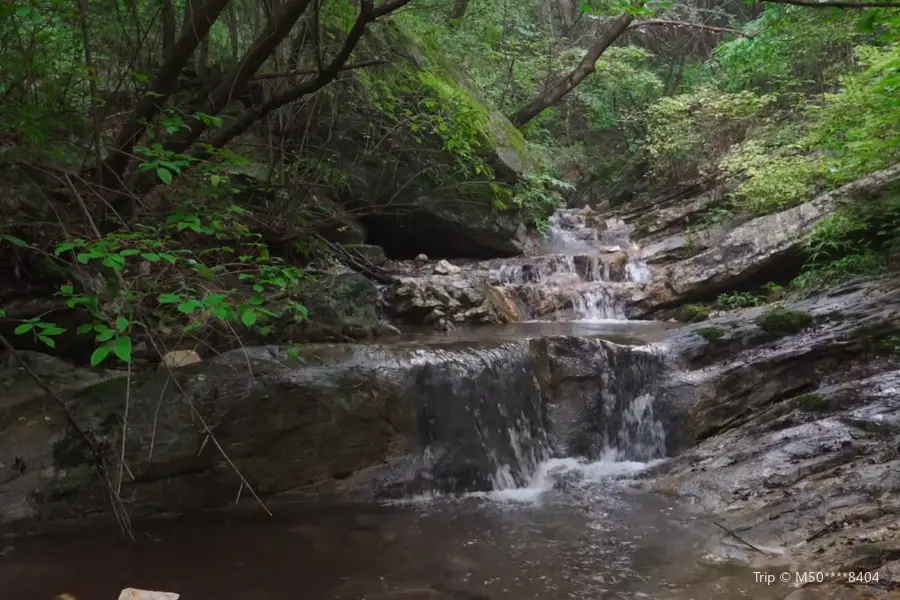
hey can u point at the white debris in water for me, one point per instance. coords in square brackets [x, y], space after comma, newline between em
[135, 594]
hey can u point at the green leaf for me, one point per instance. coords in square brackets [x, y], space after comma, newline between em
[2, 314]
[85, 328]
[104, 333]
[51, 329]
[66, 290]
[121, 324]
[169, 298]
[189, 306]
[65, 247]
[164, 175]
[15, 241]
[47, 340]
[100, 355]
[23, 328]
[123, 348]
[150, 256]
[249, 318]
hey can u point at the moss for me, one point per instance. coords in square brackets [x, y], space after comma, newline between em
[813, 403]
[693, 313]
[710, 334]
[784, 322]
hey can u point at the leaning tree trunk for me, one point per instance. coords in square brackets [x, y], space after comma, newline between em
[585, 67]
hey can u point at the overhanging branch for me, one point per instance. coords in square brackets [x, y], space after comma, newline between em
[835, 4]
[701, 26]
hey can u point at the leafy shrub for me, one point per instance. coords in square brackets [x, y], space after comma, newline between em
[784, 321]
[710, 334]
[813, 403]
[693, 313]
[735, 300]
[687, 134]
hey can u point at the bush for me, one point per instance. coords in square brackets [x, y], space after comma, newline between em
[693, 313]
[784, 322]
[710, 334]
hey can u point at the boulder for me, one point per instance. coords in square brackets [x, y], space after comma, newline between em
[723, 258]
[423, 162]
[442, 300]
[342, 306]
[789, 432]
[349, 422]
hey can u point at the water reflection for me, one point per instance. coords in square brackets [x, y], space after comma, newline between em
[602, 544]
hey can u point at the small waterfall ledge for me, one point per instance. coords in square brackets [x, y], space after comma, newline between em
[509, 411]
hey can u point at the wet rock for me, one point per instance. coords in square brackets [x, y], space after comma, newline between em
[445, 268]
[351, 422]
[441, 299]
[768, 247]
[421, 258]
[804, 480]
[370, 254]
[135, 594]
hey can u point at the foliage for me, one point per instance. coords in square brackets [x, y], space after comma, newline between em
[710, 334]
[688, 133]
[813, 403]
[735, 300]
[782, 321]
[693, 313]
[197, 270]
[859, 239]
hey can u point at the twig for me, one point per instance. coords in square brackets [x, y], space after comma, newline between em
[96, 448]
[208, 431]
[814, 4]
[740, 539]
[124, 428]
[654, 22]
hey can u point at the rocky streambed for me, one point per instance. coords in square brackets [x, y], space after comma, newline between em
[517, 439]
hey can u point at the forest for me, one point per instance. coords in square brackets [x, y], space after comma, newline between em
[173, 168]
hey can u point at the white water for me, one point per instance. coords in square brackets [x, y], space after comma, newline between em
[582, 274]
[579, 261]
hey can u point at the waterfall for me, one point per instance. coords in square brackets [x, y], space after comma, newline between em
[583, 270]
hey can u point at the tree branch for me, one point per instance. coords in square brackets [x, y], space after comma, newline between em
[835, 4]
[199, 21]
[664, 22]
[368, 14]
[585, 67]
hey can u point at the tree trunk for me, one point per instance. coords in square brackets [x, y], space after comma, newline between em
[200, 20]
[585, 67]
[263, 46]
[168, 25]
[459, 10]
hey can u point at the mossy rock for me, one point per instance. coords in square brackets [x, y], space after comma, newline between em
[426, 164]
[813, 403]
[693, 313]
[782, 321]
[710, 334]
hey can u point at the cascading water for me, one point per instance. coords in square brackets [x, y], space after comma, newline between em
[584, 267]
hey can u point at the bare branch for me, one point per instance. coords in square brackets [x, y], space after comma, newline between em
[164, 84]
[835, 4]
[368, 14]
[701, 26]
[585, 67]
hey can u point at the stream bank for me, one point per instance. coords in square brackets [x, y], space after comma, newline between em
[778, 422]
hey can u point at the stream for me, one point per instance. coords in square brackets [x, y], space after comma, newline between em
[577, 530]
